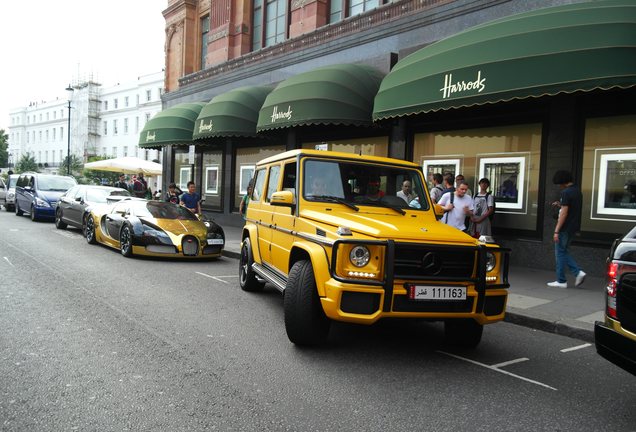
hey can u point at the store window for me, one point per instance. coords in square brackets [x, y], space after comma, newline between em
[608, 180]
[212, 187]
[338, 8]
[182, 168]
[246, 159]
[375, 146]
[509, 156]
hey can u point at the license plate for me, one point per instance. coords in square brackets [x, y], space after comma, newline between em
[428, 292]
[215, 241]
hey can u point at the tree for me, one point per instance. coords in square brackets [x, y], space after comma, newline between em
[26, 163]
[99, 177]
[76, 165]
[4, 145]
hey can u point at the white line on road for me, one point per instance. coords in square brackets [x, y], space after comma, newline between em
[216, 278]
[508, 363]
[7, 260]
[498, 370]
[578, 347]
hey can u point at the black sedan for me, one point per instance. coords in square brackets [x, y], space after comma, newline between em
[615, 337]
[71, 207]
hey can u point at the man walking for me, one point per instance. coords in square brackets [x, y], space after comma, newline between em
[437, 189]
[568, 223]
[457, 206]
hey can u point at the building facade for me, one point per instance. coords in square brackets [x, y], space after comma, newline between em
[544, 117]
[105, 121]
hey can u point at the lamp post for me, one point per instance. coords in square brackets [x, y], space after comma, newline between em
[69, 92]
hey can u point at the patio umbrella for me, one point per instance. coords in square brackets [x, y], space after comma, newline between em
[126, 165]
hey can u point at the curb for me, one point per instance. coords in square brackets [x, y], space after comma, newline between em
[544, 324]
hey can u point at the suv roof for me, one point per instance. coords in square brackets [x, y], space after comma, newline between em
[331, 154]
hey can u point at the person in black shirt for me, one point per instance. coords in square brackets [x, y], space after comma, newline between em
[173, 193]
[568, 224]
[121, 183]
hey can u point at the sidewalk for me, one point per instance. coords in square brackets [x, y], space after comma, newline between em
[569, 312]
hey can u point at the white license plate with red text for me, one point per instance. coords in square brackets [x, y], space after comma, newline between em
[430, 292]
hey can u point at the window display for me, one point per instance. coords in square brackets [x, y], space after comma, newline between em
[212, 180]
[507, 180]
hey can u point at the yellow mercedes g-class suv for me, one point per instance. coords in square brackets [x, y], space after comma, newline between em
[334, 234]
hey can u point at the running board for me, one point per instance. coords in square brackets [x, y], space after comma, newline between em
[269, 276]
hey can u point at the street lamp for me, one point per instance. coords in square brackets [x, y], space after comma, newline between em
[69, 92]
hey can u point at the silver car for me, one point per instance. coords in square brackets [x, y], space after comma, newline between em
[7, 192]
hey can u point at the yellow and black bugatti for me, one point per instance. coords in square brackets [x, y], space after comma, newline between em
[153, 228]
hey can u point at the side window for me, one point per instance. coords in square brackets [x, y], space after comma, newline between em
[79, 192]
[289, 178]
[272, 185]
[259, 184]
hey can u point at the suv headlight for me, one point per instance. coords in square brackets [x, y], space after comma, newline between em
[41, 203]
[491, 261]
[359, 256]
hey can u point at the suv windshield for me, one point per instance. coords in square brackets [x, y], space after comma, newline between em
[55, 183]
[353, 183]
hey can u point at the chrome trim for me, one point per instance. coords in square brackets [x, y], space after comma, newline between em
[269, 276]
[316, 239]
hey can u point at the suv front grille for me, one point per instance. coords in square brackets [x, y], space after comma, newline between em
[419, 262]
[626, 302]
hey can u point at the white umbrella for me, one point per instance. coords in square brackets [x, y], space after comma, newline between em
[126, 165]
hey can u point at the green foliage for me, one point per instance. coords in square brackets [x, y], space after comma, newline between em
[26, 163]
[99, 177]
[4, 145]
[76, 166]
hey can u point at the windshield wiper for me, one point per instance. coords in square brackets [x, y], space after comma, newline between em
[336, 199]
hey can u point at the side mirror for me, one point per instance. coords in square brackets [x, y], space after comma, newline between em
[283, 198]
[78, 199]
[439, 211]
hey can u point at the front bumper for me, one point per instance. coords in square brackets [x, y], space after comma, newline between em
[615, 346]
[366, 302]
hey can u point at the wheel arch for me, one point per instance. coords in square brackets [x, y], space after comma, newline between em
[251, 232]
[319, 261]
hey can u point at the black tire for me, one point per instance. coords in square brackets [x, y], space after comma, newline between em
[59, 224]
[247, 277]
[33, 216]
[18, 212]
[89, 230]
[464, 333]
[305, 321]
[125, 242]
[8, 207]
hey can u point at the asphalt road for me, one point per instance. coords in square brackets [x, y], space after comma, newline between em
[93, 341]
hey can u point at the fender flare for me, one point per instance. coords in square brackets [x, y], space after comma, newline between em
[319, 260]
[251, 232]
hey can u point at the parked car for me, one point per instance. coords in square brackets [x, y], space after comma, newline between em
[3, 190]
[73, 203]
[329, 230]
[38, 194]
[8, 198]
[153, 228]
[615, 337]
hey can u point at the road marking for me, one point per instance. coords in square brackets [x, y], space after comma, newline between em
[578, 347]
[7, 260]
[214, 277]
[508, 363]
[493, 368]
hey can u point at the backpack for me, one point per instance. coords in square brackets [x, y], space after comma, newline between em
[491, 216]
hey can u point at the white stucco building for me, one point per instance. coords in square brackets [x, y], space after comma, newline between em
[105, 121]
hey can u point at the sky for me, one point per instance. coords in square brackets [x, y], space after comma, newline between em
[45, 45]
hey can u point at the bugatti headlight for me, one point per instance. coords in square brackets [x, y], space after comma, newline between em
[491, 261]
[359, 256]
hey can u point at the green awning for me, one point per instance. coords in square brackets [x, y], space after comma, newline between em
[565, 49]
[171, 126]
[337, 94]
[231, 114]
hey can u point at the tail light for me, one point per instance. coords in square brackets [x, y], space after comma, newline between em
[612, 273]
